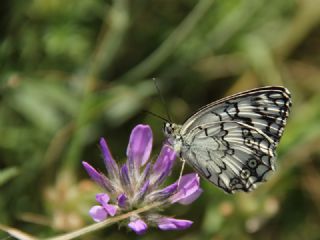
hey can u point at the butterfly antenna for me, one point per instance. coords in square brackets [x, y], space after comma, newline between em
[156, 115]
[162, 99]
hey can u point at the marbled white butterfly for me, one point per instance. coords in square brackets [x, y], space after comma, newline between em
[231, 142]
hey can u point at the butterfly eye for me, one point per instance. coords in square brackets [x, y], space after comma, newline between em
[167, 128]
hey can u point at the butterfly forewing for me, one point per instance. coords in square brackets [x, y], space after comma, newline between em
[232, 142]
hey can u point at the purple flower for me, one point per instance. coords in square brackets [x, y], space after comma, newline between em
[138, 226]
[138, 183]
[100, 213]
[167, 223]
[188, 190]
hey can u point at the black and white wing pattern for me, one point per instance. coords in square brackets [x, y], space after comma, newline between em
[232, 142]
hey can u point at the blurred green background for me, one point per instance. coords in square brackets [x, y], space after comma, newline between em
[73, 71]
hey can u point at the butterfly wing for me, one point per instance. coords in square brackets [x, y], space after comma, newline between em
[232, 142]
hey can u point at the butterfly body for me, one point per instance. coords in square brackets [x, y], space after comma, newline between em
[232, 142]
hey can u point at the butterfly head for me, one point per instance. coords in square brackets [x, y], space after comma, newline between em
[172, 131]
[169, 129]
[173, 135]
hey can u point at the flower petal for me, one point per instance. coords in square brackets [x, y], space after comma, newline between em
[111, 209]
[188, 189]
[138, 226]
[98, 213]
[140, 145]
[163, 194]
[122, 200]
[102, 198]
[124, 176]
[109, 162]
[191, 198]
[146, 173]
[166, 157]
[97, 177]
[163, 165]
[93, 173]
[167, 223]
[143, 190]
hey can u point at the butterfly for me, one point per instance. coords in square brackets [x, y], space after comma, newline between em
[232, 142]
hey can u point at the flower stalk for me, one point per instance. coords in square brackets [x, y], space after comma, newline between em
[18, 234]
[106, 223]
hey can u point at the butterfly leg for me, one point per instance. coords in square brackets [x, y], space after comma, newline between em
[181, 171]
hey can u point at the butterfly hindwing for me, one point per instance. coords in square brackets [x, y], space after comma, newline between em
[229, 156]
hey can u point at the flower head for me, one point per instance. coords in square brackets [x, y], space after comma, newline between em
[139, 183]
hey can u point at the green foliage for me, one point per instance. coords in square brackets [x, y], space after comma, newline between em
[73, 71]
